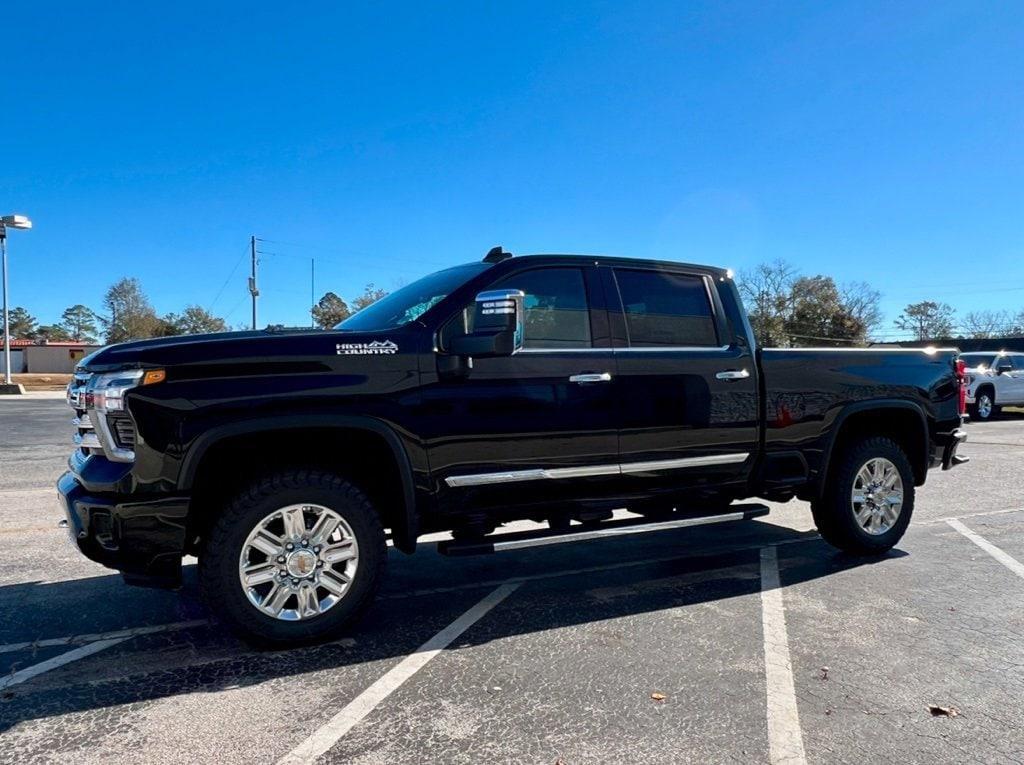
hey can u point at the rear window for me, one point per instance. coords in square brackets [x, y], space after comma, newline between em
[976, 360]
[666, 310]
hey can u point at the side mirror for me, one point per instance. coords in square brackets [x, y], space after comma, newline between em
[1002, 369]
[497, 325]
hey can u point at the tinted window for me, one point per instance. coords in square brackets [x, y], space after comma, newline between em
[665, 309]
[1018, 362]
[978, 360]
[556, 307]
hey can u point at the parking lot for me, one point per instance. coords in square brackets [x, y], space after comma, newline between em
[749, 642]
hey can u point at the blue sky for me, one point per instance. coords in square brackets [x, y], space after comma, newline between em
[868, 141]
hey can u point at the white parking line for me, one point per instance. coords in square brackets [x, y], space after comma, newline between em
[57, 661]
[79, 639]
[1007, 560]
[785, 740]
[979, 514]
[330, 733]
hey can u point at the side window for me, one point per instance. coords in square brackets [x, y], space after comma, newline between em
[556, 307]
[1018, 363]
[665, 309]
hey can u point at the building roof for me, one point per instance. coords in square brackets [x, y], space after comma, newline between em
[19, 342]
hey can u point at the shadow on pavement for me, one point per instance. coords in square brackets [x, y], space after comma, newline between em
[713, 563]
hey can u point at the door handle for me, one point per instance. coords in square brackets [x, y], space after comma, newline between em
[733, 374]
[591, 378]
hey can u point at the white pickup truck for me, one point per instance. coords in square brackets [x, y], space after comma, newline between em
[995, 379]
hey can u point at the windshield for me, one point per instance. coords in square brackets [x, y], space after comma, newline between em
[979, 360]
[411, 301]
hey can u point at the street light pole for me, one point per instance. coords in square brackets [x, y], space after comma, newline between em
[7, 320]
[6, 222]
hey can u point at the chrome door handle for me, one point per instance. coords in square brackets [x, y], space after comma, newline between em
[733, 374]
[589, 378]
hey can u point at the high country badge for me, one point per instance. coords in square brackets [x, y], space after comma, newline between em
[376, 348]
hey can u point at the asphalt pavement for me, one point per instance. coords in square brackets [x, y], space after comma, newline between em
[750, 641]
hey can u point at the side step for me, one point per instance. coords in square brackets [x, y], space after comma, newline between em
[522, 539]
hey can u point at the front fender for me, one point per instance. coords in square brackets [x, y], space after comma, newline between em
[404, 536]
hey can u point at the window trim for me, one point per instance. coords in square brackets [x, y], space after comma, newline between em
[716, 314]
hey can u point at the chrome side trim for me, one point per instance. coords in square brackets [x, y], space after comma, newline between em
[513, 476]
[669, 348]
[685, 462]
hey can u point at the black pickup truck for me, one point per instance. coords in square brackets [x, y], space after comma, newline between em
[547, 387]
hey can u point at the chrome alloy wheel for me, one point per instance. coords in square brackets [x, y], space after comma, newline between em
[877, 496]
[984, 404]
[298, 562]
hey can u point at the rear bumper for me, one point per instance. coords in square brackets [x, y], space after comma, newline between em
[144, 540]
[944, 449]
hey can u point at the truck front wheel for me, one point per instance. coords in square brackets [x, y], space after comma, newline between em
[293, 559]
[867, 503]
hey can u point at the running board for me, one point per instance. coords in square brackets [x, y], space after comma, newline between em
[540, 538]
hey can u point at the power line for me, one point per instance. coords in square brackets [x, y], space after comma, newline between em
[225, 284]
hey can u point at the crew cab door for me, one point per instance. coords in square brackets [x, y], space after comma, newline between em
[537, 425]
[686, 391]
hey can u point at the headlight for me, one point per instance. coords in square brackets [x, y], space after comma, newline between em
[106, 391]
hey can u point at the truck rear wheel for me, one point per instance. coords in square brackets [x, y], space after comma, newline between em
[984, 406]
[867, 503]
[293, 559]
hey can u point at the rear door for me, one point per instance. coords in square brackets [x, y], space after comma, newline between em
[686, 388]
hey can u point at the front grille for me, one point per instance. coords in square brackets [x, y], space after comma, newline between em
[123, 430]
[85, 430]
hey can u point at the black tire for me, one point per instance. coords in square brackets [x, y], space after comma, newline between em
[834, 511]
[219, 557]
[979, 411]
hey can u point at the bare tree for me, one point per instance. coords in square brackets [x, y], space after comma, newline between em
[130, 315]
[767, 293]
[984, 324]
[370, 296]
[927, 320]
[862, 303]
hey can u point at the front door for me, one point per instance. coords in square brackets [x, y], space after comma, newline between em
[686, 390]
[537, 426]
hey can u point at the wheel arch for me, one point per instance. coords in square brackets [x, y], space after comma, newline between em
[986, 386]
[903, 421]
[345, 443]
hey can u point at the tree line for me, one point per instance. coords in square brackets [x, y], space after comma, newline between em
[787, 308]
[129, 315]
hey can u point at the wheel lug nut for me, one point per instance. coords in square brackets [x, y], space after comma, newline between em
[317, 549]
[305, 543]
[319, 564]
[295, 582]
[280, 559]
[289, 546]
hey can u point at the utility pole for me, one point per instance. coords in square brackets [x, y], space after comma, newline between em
[253, 290]
[7, 320]
[312, 292]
